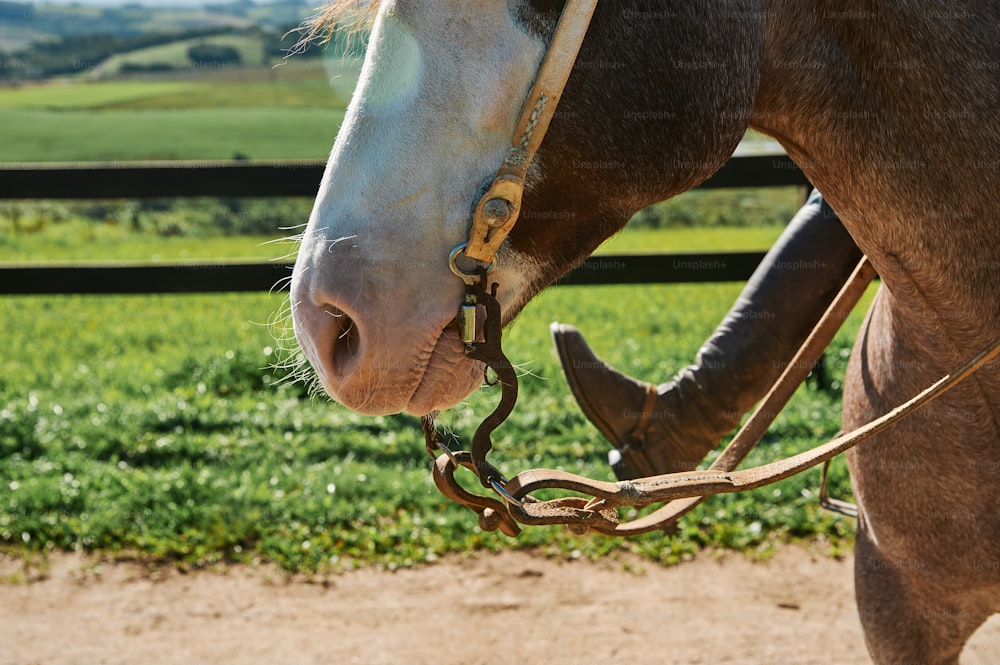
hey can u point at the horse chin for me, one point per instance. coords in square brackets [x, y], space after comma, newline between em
[448, 378]
[442, 381]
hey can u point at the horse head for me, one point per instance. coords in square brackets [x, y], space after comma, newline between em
[440, 93]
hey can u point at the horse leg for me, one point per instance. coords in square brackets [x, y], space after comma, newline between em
[928, 527]
[903, 621]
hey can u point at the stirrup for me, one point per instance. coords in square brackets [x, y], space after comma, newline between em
[834, 505]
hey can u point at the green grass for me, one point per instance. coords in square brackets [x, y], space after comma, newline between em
[294, 83]
[279, 133]
[644, 240]
[152, 426]
[311, 93]
[152, 230]
[292, 111]
[67, 95]
[114, 244]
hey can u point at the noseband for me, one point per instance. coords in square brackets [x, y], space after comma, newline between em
[495, 214]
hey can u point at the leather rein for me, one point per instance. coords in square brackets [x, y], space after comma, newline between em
[513, 504]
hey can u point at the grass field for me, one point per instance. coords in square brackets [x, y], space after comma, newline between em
[153, 426]
[289, 112]
[167, 134]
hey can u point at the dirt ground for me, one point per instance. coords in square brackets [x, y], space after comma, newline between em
[497, 609]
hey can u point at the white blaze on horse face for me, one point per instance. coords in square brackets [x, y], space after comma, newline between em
[433, 114]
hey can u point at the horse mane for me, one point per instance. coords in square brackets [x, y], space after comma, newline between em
[349, 17]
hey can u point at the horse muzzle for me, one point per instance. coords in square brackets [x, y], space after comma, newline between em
[381, 355]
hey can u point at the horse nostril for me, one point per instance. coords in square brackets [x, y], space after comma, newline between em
[346, 342]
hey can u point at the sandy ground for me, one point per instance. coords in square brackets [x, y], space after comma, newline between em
[497, 609]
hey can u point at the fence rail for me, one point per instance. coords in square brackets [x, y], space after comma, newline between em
[112, 180]
[242, 277]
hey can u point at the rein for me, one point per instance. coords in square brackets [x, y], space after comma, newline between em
[495, 214]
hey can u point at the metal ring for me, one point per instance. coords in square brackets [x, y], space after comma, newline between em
[443, 447]
[502, 491]
[467, 277]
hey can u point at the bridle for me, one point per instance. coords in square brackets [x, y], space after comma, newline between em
[499, 207]
[494, 215]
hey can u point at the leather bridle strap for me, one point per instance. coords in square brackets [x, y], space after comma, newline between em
[498, 209]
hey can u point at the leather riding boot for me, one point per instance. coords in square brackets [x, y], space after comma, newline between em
[670, 427]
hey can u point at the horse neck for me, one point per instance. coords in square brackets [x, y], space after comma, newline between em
[868, 73]
[882, 107]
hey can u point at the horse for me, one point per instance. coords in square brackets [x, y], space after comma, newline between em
[890, 108]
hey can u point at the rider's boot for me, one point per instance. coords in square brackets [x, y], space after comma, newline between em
[670, 427]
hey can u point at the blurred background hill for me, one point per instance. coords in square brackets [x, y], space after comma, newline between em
[39, 41]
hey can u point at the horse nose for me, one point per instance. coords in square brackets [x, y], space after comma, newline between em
[329, 333]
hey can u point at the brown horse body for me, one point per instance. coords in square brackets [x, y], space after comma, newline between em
[890, 107]
[909, 161]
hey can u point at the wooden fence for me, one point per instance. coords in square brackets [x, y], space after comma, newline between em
[136, 180]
